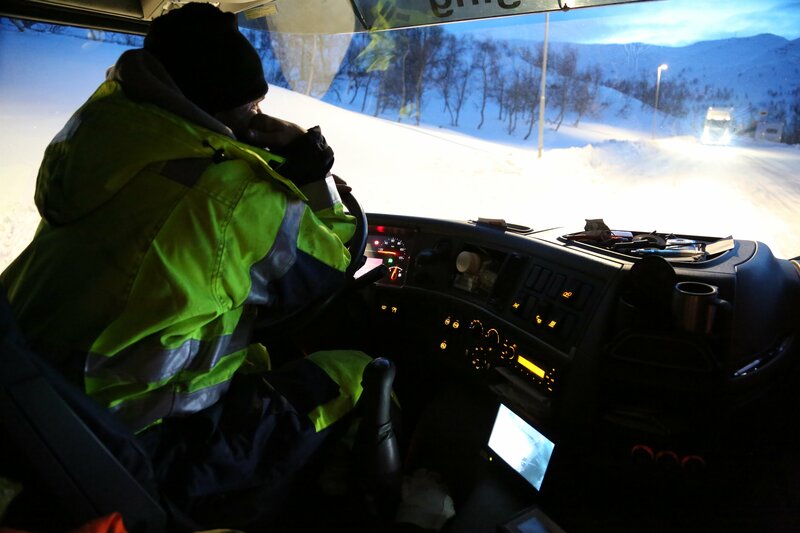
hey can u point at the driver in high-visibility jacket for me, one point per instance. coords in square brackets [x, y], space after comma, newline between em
[165, 230]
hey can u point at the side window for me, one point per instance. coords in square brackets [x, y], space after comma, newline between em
[46, 72]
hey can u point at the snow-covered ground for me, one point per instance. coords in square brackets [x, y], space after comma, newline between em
[672, 184]
[602, 169]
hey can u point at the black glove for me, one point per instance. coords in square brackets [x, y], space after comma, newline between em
[308, 158]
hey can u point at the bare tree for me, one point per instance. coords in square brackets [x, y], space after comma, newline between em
[370, 77]
[516, 97]
[425, 49]
[351, 69]
[792, 132]
[586, 89]
[566, 67]
[376, 58]
[532, 61]
[454, 73]
[402, 84]
[462, 79]
[634, 53]
[484, 63]
[498, 92]
[444, 72]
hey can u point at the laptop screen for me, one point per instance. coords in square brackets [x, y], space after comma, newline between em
[521, 445]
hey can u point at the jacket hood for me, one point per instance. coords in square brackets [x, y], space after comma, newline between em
[136, 118]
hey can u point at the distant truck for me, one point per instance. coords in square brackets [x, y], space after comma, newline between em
[769, 131]
[718, 126]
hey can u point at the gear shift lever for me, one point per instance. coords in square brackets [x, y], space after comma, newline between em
[376, 455]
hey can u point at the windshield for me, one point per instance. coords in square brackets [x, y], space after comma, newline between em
[450, 121]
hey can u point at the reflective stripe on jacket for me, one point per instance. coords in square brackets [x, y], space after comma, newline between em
[158, 239]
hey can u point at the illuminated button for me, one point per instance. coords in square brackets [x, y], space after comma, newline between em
[384, 307]
[394, 310]
[555, 320]
[443, 345]
[541, 314]
[571, 292]
[518, 304]
[555, 288]
[447, 321]
[456, 324]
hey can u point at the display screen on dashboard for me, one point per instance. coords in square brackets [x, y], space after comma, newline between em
[521, 446]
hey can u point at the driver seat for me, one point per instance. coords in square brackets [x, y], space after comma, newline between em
[75, 460]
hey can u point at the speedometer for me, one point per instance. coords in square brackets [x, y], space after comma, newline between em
[389, 247]
[392, 251]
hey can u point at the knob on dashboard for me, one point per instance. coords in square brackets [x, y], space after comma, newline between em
[468, 263]
[475, 329]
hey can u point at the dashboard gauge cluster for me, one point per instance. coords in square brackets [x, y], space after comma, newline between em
[391, 247]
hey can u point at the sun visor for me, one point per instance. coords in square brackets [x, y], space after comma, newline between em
[309, 44]
[302, 16]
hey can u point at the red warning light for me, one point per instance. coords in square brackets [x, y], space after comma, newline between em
[380, 229]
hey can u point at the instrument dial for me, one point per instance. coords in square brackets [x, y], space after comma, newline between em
[392, 251]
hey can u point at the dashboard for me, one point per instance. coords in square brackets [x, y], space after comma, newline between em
[641, 370]
[582, 340]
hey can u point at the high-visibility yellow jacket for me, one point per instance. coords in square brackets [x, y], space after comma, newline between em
[158, 239]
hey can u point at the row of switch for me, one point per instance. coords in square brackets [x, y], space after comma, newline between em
[542, 314]
[574, 293]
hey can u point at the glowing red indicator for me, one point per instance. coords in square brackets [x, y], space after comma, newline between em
[380, 229]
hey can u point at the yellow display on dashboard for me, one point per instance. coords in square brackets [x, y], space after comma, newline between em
[531, 366]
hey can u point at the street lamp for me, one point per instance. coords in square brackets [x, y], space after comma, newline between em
[543, 85]
[661, 67]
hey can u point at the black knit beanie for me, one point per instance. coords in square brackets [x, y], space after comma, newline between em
[213, 64]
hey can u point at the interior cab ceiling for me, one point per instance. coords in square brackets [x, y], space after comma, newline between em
[292, 16]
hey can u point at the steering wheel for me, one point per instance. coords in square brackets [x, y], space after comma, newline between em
[308, 311]
[358, 243]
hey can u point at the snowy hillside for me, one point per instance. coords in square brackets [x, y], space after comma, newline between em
[751, 74]
[759, 71]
